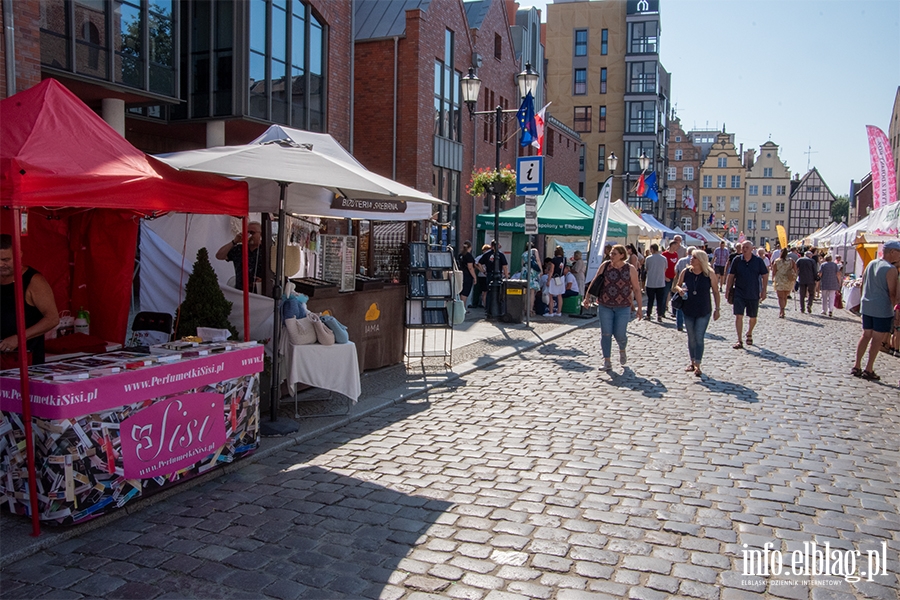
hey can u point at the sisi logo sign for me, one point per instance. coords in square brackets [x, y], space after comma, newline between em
[172, 434]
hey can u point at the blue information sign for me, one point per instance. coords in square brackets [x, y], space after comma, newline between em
[529, 175]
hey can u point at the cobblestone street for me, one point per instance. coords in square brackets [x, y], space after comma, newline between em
[545, 477]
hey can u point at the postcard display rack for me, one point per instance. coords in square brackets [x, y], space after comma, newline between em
[112, 428]
[429, 330]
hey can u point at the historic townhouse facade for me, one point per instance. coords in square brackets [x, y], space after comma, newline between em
[768, 183]
[682, 181]
[810, 205]
[722, 186]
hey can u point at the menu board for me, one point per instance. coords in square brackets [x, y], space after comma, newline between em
[339, 261]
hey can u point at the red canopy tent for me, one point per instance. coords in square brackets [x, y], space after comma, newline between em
[84, 187]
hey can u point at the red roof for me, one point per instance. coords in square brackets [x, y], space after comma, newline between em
[56, 152]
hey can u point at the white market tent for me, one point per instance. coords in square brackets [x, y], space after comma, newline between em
[707, 235]
[619, 211]
[668, 232]
[822, 237]
[689, 240]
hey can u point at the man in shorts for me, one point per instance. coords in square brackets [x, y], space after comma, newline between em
[720, 261]
[745, 289]
[880, 294]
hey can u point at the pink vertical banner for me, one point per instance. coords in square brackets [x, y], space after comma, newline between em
[884, 179]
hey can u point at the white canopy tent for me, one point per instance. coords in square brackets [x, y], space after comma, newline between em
[689, 240]
[619, 211]
[706, 235]
[822, 237]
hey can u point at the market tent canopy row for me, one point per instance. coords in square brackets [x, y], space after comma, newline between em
[559, 211]
[619, 211]
[667, 232]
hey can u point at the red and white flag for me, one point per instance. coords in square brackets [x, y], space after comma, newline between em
[539, 119]
[884, 180]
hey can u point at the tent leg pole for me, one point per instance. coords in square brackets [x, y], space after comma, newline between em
[246, 261]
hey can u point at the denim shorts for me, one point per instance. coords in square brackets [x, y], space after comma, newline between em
[877, 324]
[751, 306]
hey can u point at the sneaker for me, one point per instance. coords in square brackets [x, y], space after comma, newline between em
[607, 364]
[623, 358]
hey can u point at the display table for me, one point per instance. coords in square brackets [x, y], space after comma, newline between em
[334, 368]
[374, 320]
[107, 439]
[851, 295]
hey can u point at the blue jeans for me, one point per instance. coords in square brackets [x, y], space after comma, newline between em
[613, 321]
[696, 330]
[679, 319]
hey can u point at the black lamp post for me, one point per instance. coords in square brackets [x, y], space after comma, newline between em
[527, 82]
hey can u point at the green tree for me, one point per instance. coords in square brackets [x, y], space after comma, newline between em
[839, 208]
[204, 303]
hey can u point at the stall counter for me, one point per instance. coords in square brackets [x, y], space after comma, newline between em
[126, 431]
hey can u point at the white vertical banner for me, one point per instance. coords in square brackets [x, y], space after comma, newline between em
[598, 236]
[884, 181]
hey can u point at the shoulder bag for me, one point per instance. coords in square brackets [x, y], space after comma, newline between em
[596, 287]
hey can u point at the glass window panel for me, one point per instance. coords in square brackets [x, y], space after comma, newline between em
[162, 80]
[448, 47]
[437, 115]
[257, 25]
[438, 69]
[298, 42]
[448, 83]
[316, 103]
[53, 14]
[298, 98]
[316, 47]
[279, 33]
[258, 86]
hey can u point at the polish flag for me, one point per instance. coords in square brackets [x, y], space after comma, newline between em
[539, 119]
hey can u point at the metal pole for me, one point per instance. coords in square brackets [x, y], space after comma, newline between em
[495, 281]
[276, 295]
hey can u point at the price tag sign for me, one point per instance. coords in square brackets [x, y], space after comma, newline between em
[529, 175]
[531, 218]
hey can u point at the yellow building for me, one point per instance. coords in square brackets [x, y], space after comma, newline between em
[768, 186]
[722, 185]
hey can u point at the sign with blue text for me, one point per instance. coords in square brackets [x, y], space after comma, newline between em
[529, 176]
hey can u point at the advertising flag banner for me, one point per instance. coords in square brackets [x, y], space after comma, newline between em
[782, 236]
[526, 120]
[884, 180]
[601, 223]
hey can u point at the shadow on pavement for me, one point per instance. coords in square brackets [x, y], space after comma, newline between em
[740, 392]
[651, 388]
[554, 349]
[804, 322]
[775, 357]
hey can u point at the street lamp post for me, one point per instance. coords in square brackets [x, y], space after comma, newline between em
[527, 82]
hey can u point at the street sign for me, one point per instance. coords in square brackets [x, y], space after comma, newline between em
[531, 218]
[529, 175]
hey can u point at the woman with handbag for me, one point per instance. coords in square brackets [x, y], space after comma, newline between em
[693, 290]
[784, 273]
[615, 287]
[557, 283]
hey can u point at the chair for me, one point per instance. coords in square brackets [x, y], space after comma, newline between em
[150, 328]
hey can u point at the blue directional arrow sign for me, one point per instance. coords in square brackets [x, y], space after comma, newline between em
[529, 175]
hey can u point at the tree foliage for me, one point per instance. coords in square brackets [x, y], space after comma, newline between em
[204, 303]
[839, 208]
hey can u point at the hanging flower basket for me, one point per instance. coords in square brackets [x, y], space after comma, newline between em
[491, 181]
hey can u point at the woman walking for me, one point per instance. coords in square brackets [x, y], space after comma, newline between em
[694, 285]
[829, 283]
[557, 282]
[784, 274]
[620, 289]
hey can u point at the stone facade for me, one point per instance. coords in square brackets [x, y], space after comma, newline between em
[768, 183]
[722, 184]
[810, 205]
[682, 180]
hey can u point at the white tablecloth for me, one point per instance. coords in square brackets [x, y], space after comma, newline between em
[334, 368]
[851, 296]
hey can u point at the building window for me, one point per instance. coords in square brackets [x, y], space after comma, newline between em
[804, 205]
[751, 207]
[498, 46]
[604, 42]
[780, 190]
[767, 207]
[686, 223]
[670, 197]
[582, 119]
[707, 181]
[720, 204]
[602, 124]
[779, 207]
[735, 204]
[751, 224]
[707, 203]
[581, 158]
[767, 171]
[671, 173]
[642, 78]
[688, 174]
[722, 162]
[643, 37]
[641, 117]
[633, 152]
[603, 80]
[735, 181]
[581, 39]
[777, 223]
[764, 224]
[580, 82]
[601, 157]
[447, 122]
[753, 190]
[720, 180]
[767, 190]
[678, 154]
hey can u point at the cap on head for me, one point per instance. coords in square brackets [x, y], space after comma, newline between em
[892, 245]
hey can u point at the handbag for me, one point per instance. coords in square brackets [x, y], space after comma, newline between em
[457, 310]
[838, 299]
[341, 336]
[324, 335]
[300, 332]
[677, 302]
[596, 287]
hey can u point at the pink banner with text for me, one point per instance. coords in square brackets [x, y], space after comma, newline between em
[884, 179]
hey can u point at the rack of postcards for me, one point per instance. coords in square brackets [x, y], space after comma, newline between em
[429, 328]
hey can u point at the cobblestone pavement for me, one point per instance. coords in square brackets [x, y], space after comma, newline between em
[543, 477]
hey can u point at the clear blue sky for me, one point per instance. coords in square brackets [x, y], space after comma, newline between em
[807, 73]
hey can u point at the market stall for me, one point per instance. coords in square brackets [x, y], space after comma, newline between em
[84, 189]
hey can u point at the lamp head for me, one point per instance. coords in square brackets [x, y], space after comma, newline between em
[644, 161]
[527, 81]
[613, 162]
[471, 86]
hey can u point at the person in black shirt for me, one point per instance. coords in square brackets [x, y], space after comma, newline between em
[232, 253]
[466, 263]
[41, 314]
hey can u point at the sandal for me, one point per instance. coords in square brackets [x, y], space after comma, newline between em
[739, 345]
[689, 368]
[870, 375]
[749, 340]
[856, 371]
[697, 373]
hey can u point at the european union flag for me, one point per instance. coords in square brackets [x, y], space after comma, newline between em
[650, 182]
[526, 121]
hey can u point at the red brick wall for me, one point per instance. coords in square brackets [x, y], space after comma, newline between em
[26, 16]
[562, 167]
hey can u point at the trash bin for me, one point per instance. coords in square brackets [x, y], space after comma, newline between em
[514, 299]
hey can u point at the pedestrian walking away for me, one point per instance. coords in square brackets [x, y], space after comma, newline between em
[807, 272]
[745, 289]
[694, 285]
[720, 261]
[829, 283]
[656, 264]
[671, 256]
[619, 288]
[466, 263]
[879, 296]
[784, 274]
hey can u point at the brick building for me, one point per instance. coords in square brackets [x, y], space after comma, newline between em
[682, 180]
